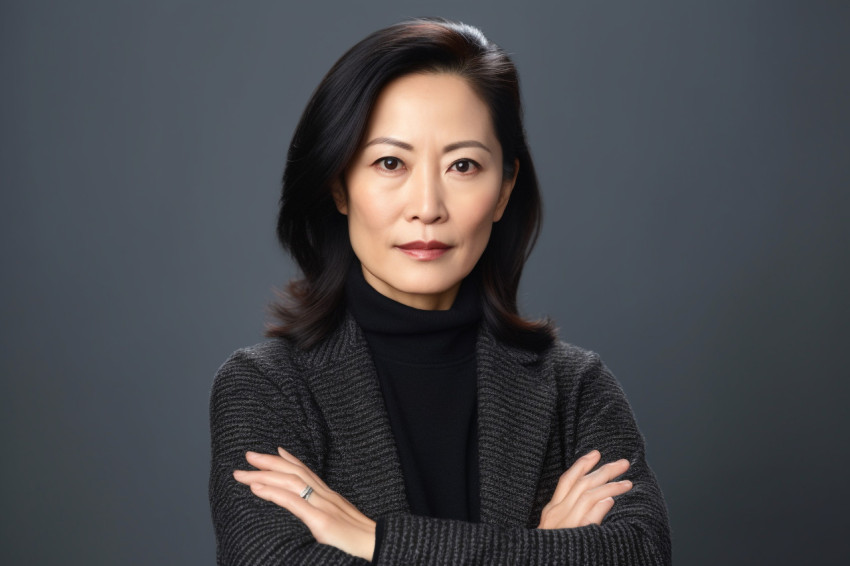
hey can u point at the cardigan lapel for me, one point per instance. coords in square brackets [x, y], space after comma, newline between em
[516, 405]
[362, 448]
[516, 402]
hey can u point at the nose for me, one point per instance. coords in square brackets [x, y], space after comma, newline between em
[425, 198]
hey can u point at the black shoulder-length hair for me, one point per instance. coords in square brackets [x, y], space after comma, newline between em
[327, 137]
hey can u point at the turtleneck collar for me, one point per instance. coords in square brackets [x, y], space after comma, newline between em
[403, 333]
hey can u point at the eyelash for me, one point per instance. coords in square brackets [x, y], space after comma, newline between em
[472, 162]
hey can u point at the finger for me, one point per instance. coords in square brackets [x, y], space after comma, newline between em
[313, 512]
[284, 462]
[300, 475]
[294, 482]
[579, 468]
[590, 498]
[288, 464]
[277, 485]
[327, 526]
[289, 457]
[310, 474]
[605, 474]
[610, 489]
[271, 462]
[598, 512]
[588, 483]
[306, 511]
[290, 482]
[593, 480]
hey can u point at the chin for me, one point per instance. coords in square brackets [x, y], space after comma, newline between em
[423, 285]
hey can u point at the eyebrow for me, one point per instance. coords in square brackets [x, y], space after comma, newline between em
[447, 149]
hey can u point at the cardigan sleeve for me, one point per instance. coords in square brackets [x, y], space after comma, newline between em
[249, 412]
[634, 532]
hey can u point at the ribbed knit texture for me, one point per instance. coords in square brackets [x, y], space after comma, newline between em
[537, 415]
[425, 360]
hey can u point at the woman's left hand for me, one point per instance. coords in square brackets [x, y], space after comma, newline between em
[331, 518]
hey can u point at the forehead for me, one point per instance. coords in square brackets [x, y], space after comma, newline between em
[437, 105]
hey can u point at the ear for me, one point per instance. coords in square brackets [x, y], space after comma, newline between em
[339, 195]
[505, 193]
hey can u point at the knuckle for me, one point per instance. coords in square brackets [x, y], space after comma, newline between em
[602, 503]
[292, 482]
[319, 535]
[322, 523]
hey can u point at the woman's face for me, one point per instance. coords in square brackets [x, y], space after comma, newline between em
[424, 189]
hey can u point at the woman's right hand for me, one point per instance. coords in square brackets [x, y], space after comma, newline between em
[583, 498]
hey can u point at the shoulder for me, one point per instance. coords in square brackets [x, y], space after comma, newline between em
[578, 372]
[269, 357]
[570, 359]
[260, 372]
[568, 363]
[272, 358]
[564, 361]
[280, 363]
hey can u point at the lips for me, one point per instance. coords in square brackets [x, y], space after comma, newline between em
[420, 245]
[425, 251]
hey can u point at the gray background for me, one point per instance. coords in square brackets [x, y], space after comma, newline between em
[694, 164]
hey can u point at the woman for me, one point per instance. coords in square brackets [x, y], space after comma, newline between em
[404, 413]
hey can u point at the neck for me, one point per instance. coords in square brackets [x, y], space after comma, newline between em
[412, 334]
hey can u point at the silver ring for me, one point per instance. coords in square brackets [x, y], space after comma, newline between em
[305, 493]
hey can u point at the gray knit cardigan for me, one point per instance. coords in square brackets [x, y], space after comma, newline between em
[537, 413]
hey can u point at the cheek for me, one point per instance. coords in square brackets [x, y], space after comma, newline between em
[477, 219]
[369, 225]
[482, 236]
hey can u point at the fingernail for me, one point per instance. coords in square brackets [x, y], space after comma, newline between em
[627, 483]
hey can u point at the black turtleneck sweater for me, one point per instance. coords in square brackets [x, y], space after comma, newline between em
[425, 361]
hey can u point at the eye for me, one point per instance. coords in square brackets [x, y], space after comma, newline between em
[389, 163]
[465, 166]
